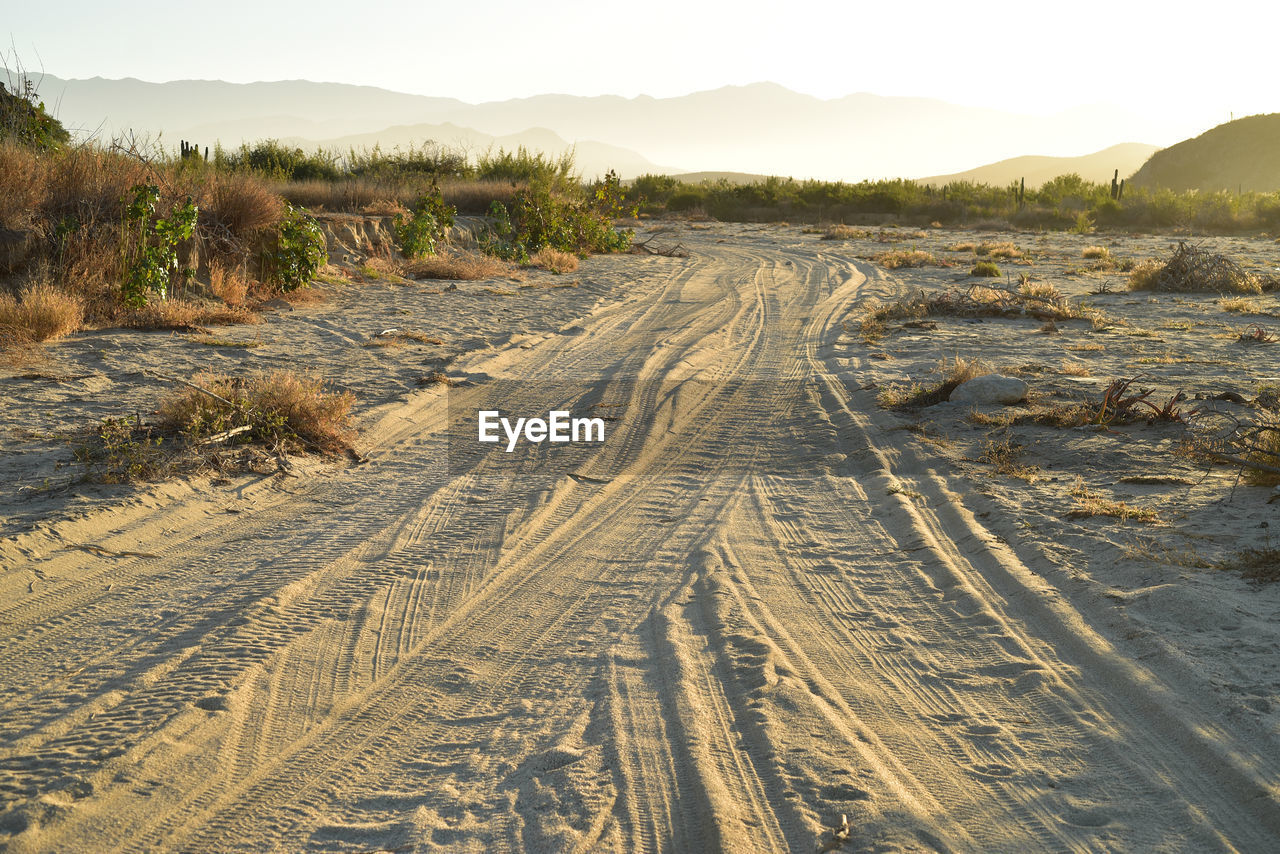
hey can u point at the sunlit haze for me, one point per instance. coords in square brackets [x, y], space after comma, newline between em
[1009, 55]
[1098, 74]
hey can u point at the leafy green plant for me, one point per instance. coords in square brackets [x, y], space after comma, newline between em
[23, 117]
[299, 250]
[539, 218]
[429, 220]
[151, 257]
[122, 450]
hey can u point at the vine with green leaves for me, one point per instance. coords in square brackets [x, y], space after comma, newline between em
[298, 251]
[151, 261]
[429, 220]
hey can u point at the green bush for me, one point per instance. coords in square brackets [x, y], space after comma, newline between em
[151, 243]
[987, 269]
[271, 158]
[297, 251]
[23, 117]
[540, 218]
[430, 218]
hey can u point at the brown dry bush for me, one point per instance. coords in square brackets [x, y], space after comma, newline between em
[283, 409]
[183, 314]
[1191, 268]
[21, 176]
[554, 260]
[955, 373]
[845, 232]
[235, 210]
[904, 258]
[458, 265]
[40, 312]
[228, 284]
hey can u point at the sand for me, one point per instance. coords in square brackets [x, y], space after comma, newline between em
[764, 604]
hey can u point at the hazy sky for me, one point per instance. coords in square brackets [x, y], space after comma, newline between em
[1025, 56]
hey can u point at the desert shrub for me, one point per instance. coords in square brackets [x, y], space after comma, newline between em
[188, 315]
[986, 269]
[21, 179]
[540, 218]
[1003, 249]
[844, 232]
[426, 160]
[904, 258]
[524, 166]
[1191, 268]
[554, 260]
[955, 372]
[271, 158]
[236, 208]
[1096, 252]
[151, 243]
[284, 410]
[429, 220]
[40, 312]
[24, 119]
[1264, 450]
[297, 251]
[463, 266]
[123, 450]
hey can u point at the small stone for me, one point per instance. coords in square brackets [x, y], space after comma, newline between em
[990, 389]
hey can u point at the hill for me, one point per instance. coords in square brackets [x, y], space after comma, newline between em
[1098, 167]
[1242, 155]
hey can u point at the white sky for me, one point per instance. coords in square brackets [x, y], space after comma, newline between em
[1208, 59]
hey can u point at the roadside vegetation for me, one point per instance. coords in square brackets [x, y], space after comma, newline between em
[1066, 202]
[129, 234]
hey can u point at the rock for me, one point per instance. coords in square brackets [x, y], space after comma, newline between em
[15, 248]
[990, 389]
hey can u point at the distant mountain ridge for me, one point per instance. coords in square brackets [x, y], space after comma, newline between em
[1241, 155]
[761, 128]
[1098, 167]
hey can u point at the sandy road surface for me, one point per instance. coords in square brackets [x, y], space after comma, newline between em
[752, 611]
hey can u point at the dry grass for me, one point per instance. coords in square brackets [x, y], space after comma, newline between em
[1099, 252]
[1191, 268]
[39, 313]
[1005, 458]
[955, 372]
[554, 260]
[905, 258]
[962, 247]
[1089, 505]
[384, 197]
[1003, 249]
[284, 410]
[1240, 305]
[184, 315]
[227, 284]
[1264, 450]
[1072, 368]
[845, 232]
[1261, 565]
[458, 265]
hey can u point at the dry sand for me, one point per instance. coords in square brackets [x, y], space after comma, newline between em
[762, 605]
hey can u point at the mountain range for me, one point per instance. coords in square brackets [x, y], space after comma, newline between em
[761, 128]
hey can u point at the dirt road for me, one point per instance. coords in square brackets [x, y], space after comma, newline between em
[753, 610]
